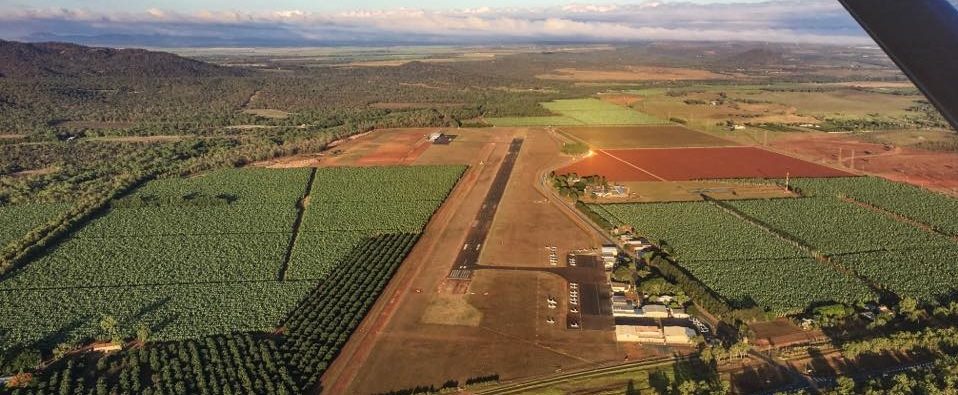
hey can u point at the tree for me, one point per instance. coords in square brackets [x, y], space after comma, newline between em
[110, 328]
[27, 359]
[909, 308]
[142, 333]
[845, 386]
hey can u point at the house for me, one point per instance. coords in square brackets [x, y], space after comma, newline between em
[655, 311]
[678, 334]
[639, 334]
[435, 136]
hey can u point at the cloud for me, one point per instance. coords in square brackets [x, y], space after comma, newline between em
[789, 21]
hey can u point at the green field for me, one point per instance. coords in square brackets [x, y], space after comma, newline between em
[582, 112]
[904, 244]
[739, 261]
[930, 208]
[204, 255]
[17, 220]
[899, 256]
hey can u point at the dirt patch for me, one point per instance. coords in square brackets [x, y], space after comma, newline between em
[783, 332]
[634, 73]
[402, 148]
[448, 309]
[933, 170]
[687, 164]
[267, 113]
[645, 137]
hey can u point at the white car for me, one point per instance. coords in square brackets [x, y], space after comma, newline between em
[574, 324]
[573, 310]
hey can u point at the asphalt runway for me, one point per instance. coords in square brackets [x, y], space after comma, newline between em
[468, 258]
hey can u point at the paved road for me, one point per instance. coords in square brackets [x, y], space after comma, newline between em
[468, 257]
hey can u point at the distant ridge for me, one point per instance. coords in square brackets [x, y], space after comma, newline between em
[38, 60]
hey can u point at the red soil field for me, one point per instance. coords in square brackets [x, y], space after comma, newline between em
[685, 164]
[401, 149]
[603, 164]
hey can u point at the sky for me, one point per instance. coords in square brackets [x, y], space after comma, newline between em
[382, 22]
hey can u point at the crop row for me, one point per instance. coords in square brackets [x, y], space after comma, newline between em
[17, 220]
[401, 216]
[233, 186]
[925, 206]
[836, 227]
[291, 361]
[742, 262]
[84, 262]
[394, 183]
[906, 259]
[191, 220]
[317, 253]
[44, 318]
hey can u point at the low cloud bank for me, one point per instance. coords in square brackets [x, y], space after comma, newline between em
[784, 21]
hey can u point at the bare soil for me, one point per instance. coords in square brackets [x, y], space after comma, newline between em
[512, 338]
[933, 170]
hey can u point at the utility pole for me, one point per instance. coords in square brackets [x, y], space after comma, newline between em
[787, 179]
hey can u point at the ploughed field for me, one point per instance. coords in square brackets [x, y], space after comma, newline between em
[845, 240]
[252, 273]
[686, 164]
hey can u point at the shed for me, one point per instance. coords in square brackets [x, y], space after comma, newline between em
[655, 311]
[678, 334]
[638, 334]
[680, 313]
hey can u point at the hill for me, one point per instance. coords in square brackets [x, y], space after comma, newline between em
[38, 60]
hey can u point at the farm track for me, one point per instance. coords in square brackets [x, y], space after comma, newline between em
[301, 211]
